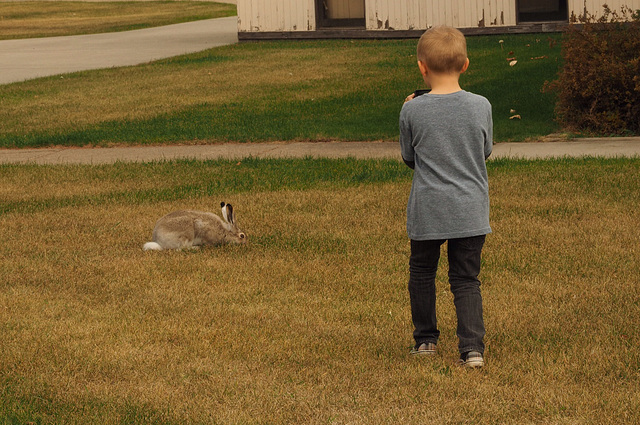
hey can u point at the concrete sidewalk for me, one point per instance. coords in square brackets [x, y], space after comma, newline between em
[607, 147]
[41, 57]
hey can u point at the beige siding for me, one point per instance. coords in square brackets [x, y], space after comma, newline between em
[420, 14]
[276, 15]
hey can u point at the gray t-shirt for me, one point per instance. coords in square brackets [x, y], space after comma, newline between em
[449, 137]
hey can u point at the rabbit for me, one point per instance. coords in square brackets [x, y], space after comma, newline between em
[192, 229]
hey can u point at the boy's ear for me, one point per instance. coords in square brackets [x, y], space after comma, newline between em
[465, 66]
[423, 68]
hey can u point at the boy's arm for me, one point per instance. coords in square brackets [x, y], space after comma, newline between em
[406, 148]
[488, 141]
[410, 164]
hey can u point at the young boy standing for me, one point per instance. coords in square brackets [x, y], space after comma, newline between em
[446, 136]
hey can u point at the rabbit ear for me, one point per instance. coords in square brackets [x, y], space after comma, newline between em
[227, 213]
[224, 211]
[231, 217]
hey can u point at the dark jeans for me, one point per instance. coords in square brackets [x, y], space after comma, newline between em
[464, 267]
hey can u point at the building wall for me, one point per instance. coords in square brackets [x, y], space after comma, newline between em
[421, 14]
[276, 15]
[300, 15]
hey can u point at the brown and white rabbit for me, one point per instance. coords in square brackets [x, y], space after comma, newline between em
[191, 229]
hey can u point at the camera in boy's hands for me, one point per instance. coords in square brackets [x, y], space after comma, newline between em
[416, 93]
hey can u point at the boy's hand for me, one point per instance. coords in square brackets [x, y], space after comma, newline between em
[416, 93]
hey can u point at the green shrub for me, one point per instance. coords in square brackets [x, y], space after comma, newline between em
[598, 87]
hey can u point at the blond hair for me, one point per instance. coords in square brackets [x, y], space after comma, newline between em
[443, 49]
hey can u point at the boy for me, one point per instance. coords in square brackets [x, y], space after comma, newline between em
[446, 136]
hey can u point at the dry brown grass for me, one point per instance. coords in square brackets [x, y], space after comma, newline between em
[27, 19]
[309, 323]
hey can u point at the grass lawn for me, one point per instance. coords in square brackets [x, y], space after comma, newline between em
[272, 91]
[309, 323]
[27, 19]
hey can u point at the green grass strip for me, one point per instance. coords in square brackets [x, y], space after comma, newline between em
[190, 179]
[208, 178]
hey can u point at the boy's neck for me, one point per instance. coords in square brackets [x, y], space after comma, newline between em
[443, 83]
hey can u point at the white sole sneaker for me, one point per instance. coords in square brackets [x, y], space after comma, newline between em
[472, 360]
[425, 349]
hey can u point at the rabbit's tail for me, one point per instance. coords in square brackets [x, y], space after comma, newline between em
[151, 246]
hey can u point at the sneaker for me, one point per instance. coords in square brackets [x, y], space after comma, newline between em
[424, 349]
[471, 360]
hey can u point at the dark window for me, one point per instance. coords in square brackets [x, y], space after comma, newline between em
[542, 10]
[340, 13]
